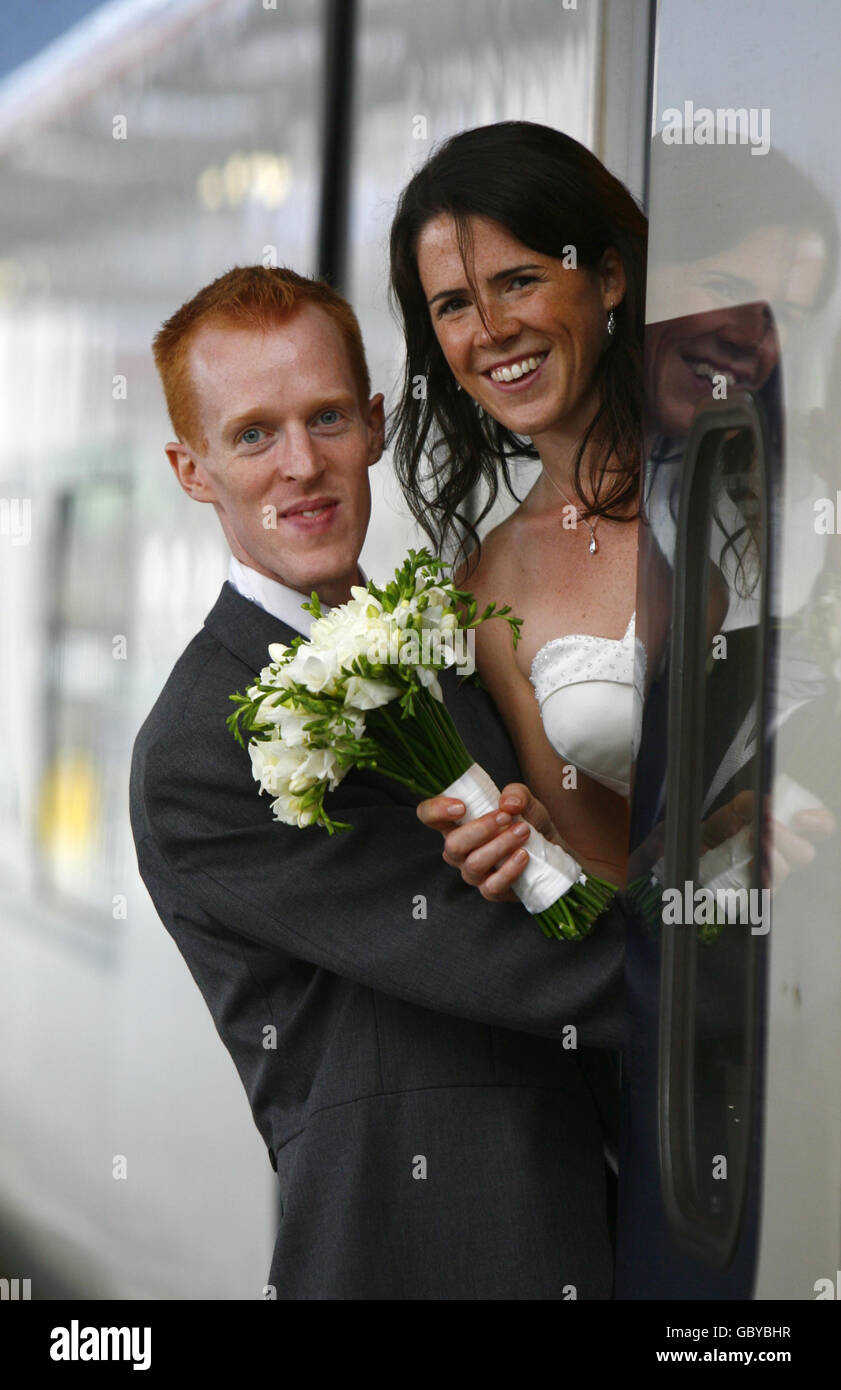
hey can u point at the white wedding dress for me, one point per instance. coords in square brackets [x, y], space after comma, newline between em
[589, 691]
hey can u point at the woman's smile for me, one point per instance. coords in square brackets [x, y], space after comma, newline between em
[517, 373]
[522, 332]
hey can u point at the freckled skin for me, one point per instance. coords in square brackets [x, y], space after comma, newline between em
[547, 307]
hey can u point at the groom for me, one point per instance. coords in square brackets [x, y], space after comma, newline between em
[424, 1067]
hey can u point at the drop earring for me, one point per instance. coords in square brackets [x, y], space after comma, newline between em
[611, 321]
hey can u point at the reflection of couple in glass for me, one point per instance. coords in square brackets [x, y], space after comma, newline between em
[438, 1091]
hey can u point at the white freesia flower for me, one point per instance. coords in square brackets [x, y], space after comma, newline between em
[273, 763]
[437, 595]
[437, 612]
[363, 603]
[359, 630]
[446, 649]
[405, 612]
[361, 638]
[322, 629]
[288, 809]
[430, 680]
[363, 693]
[268, 712]
[273, 675]
[350, 724]
[277, 651]
[290, 723]
[380, 643]
[315, 668]
[320, 765]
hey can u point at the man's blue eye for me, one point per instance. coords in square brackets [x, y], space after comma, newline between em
[335, 417]
[254, 432]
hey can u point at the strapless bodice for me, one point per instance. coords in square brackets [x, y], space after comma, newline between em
[589, 690]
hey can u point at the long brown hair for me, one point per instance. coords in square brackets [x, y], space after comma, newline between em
[551, 193]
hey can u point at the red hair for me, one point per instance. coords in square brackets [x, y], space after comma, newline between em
[252, 296]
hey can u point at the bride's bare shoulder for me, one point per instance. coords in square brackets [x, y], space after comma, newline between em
[492, 564]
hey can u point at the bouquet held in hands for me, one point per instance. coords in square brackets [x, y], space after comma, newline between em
[363, 691]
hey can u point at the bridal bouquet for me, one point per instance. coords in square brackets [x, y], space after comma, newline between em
[363, 691]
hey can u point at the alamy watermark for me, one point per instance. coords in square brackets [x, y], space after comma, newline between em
[724, 125]
[16, 1290]
[430, 647]
[707, 907]
[82, 1343]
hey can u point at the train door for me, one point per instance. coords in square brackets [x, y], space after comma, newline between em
[731, 1146]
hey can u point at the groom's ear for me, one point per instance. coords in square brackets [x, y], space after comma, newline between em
[376, 428]
[189, 472]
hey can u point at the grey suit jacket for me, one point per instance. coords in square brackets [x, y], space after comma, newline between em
[401, 1041]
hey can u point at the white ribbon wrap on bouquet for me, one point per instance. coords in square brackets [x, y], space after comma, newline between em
[550, 872]
[726, 867]
[729, 865]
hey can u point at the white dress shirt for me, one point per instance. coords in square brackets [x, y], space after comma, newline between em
[276, 598]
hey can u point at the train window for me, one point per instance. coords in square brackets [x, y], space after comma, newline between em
[425, 72]
[716, 909]
[211, 162]
[82, 783]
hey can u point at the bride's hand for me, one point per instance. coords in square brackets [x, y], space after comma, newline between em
[789, 846]
[488, 851]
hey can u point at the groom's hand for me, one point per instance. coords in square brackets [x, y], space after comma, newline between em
[488, 852]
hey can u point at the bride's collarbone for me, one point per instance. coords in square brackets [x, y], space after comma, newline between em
[556, 592]
[605, 618]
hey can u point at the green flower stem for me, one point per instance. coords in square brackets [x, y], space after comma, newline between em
[442, 722]
[437, 758]
[389, 758]
[422, 792]
[434, 738]
[391, 762]
[424, 759]
[573, 915]
[645, 894]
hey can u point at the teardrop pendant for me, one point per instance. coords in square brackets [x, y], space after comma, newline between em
[593, 547]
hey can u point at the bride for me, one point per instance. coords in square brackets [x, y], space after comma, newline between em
[518, 263]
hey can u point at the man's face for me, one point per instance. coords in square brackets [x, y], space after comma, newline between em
[288, 448]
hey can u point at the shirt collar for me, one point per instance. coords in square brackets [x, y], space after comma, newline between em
[277, 598]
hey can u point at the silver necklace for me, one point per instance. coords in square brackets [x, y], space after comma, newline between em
[593, 547]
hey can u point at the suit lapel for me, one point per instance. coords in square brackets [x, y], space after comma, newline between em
[245, 628]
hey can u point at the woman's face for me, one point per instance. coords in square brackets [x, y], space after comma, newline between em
[719, 325]
[531, 364]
